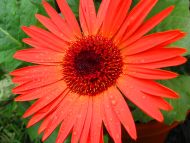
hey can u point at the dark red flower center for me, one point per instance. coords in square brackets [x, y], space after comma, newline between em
[87, 63]
[91, 65]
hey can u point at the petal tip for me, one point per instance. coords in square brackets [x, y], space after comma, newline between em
[17, 99]
[134, 135]
[37, 15]
[160, 119]
[183, 50]
[29, 125]
[40, 130]
[44, 137]
[182, 34]
[14, 91]
[16, 55]
[172, 7]
[24, 28]
[44, 1]
[12, 73]
[25, 115]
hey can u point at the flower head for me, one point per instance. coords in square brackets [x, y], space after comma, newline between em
[85, 73]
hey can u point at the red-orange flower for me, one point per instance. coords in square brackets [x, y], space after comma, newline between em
[84, 77]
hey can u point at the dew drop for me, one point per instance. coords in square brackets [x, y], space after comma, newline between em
[117, 136]
[107, 106]
[47, 97]
[142, 60]
[79, 116]
[143, 96]
[55, 117]
[74, 133]
[117, 111]
[132, 17]
[130, 87]
[127, 128]
[113, 102]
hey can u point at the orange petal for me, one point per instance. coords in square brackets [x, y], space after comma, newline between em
[135, 19]
[36, 93]
[115, 16]
[86, 129]
[130, 90]
[160, 102]
[121, 14]
[151, 41]
[102, 11]
[42, 102]
[34, 43]
[60, 22]
[40, 56]
[154, 55]
[46, 38]
[96, 123]
[83, 21]
[165, 63]
[36, 83]
[88, 14]
[101, 136]
[38, 72]
[51, 27]
[60, 114]
[70, 120]
[45, 123]
[122, 111]
[42, 113]
[111, 120]
[69, 17]
[78, 127]
[36, 69]
[145, 73]
[149, 24]
[154, 88]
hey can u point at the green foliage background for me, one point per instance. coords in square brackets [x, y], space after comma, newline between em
[16, 13]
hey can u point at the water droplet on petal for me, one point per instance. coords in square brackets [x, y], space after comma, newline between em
[132, 17]
[74, 133]
[117, 111]
[117, 136]
[143, 96]
[107, 106]
[79, 116]
[142, 60]
[113, 102]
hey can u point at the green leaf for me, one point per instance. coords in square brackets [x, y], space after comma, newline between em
[13, 15]
[181, 105]
[140, 116]
[33, 133]
[6, 86]
[74, 5]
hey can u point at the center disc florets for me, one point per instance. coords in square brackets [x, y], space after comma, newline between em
[91, 65]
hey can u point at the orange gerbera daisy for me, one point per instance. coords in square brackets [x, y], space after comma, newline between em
[84, 77]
